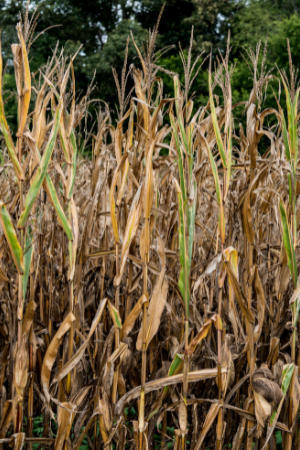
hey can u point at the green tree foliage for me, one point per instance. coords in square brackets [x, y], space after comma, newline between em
[102, 27]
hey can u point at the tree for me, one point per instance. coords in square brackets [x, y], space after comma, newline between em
[210, 19]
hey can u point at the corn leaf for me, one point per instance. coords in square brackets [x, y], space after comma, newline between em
[157, 302]
[41, 171]
[178, 104]
[216, 125]
[56, 203]
[27, 83]
[5, 130]
[74, 162]
[285, 138]
[179, 158]
[132, 316]
[63, 372]
[215, 173]
[28, 251]
[9, 144]
[287, 374]
[183, 281]
[130, 231]
[51, 353]
[242, 301]
[192, 204]
[112, 197]
[115, 316]
[11, 237]
[288, 244]
[211, 415]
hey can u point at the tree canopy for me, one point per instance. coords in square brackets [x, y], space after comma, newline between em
[102, 28]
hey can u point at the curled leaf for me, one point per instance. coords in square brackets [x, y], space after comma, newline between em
[51, 353]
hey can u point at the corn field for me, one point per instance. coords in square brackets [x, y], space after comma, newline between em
[149, 296]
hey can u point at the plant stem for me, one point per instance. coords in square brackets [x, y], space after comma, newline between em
[19, 418]
[117, 330]
[71, 308]
[144, 349]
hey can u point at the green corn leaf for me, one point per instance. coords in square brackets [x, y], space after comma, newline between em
[64, 143]
[296, 313]
[27, 259]
[115, 316]
[51, 192]
[216, 125]
[192, 204]
[11, 237]
[292, 125]
[174, 368]
[41, 171]
[63, 138]
[175, 365]
[59, 211]
[184, 260]
[286, 377]
[288, 371]
[218, 192]
[290, 188]
[285, 138]
[179, 159]
[290, 111]
[295, 134]
[288, 244]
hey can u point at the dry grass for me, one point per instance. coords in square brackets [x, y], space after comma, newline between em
[160, 276]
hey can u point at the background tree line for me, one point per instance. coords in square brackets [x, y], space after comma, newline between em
[102, 27]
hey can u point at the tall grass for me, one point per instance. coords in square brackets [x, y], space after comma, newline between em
[149, 296]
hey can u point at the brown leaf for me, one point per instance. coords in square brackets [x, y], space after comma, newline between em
[263, 410]
[239, 293]
[78, 355]
[28, 318]
[65, 417]
[105, 410]
[129, 322]
[130, 231]
[247, 214]
[211, 415]
[261, 306]
[3, 277]
[19, 439]
[157, 302]
[51, 353]
[155, 385]
[6, 418]
[202, 333]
